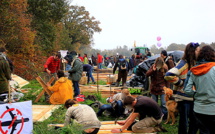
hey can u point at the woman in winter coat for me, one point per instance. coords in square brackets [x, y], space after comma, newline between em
[157, 73]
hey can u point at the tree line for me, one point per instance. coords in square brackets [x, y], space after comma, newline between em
[31, 30]
[126, 51]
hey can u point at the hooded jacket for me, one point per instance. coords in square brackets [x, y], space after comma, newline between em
[62, 91]
[77, 68]
[202, 77]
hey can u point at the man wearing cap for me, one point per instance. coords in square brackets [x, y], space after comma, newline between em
[167, 59]
[149, 114]
[5, 72]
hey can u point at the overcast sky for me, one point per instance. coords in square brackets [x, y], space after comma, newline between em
[175, 21]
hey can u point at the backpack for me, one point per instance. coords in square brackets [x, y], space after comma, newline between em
[122, 65]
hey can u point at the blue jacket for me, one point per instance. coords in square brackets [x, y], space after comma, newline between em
[201, 85]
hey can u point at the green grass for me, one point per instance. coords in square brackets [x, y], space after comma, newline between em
[34, 88]
[172, 129]
[101, 82]
[58, 115]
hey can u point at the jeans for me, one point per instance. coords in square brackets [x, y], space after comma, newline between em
[89, 75]
[76, 88]
[68, 67]
[163, 102]
[104, 107]
[100, 65]
[187, 118]
[118, 110]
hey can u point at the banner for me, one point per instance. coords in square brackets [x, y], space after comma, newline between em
[63, 52]
[16, 118]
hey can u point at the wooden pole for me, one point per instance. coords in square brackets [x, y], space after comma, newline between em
[110, 84]
[98, 80]
[9, 92]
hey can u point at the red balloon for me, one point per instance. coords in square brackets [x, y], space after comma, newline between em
[158, 38]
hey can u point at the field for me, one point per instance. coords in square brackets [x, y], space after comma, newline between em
[58, 115]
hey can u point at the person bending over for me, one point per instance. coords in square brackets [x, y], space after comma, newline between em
[83, 115]
[149, 114]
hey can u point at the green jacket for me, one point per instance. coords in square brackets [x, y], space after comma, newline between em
[86, 60]
[5, 74]
[75, 73]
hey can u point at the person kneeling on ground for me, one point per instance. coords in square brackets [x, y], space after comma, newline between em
[116, 108]
[142, 106]
[83, 115]
[62, 89]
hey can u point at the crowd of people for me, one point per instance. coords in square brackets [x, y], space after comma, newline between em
[191, 79]
[187, 79]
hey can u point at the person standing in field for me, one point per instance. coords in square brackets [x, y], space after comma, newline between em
[5, 73]
[75, 73]
[123, 67]
[200, 86]
[157, 72]
[99, 61]
[177, 76]
[51, 66]
[86, 59]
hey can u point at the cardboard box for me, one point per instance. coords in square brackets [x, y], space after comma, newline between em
[83, 80]
[111, 79]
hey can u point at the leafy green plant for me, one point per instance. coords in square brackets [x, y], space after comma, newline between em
[135, 91]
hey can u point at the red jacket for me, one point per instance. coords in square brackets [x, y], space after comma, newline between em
[81, 58]
[52, 64]
[99, 58]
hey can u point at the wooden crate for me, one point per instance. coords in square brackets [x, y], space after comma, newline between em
[111, 79]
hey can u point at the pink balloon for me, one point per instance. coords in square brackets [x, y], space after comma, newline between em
[158, 38]
[159, 44]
